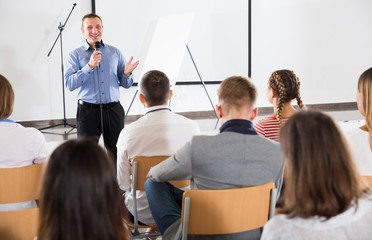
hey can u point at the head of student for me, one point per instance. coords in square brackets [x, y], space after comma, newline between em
[155, 89]
[80, 198]
[283, 86]
[6, 98]
[236, 97]
[322, 179]
[92, 28]
[364, 100]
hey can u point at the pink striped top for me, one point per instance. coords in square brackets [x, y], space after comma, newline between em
[269, 127]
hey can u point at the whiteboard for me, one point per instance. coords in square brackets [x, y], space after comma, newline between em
[168, 45]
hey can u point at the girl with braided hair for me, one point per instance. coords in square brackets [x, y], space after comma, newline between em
[360, 139]
[283, 87]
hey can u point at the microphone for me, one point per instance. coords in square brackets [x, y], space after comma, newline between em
[97, 45]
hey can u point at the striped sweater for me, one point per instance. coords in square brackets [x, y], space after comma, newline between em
[269, 127]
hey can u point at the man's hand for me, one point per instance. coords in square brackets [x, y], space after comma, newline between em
[95, 59]
[129, 67]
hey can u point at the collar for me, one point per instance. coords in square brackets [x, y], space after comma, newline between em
[157, 108]
[241, 126]
[87, 46]
[7, 120]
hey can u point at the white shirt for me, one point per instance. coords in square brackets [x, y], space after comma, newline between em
[359, 145]
[20, 146]
[158, 133]
[350, 224]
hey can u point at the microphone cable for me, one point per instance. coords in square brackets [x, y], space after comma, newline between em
[97, 46]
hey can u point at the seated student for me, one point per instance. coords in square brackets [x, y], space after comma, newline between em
[360, 139]
[237, 157]
[325, 197]
[283, 87]
[80, 197]
[159, 133]
[19, 146]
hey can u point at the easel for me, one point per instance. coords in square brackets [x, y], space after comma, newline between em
[201, 80]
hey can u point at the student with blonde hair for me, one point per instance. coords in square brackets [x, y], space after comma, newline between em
[283, 87]
[325, 197]
[80, 197]
[360, 139]
[19, 146]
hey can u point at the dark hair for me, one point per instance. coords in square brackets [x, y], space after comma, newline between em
[365, 88]
[287, 86]
[321, 179]
[80, 197]
[155, 86]
[90, 15]
[6, 98]
[237, 91]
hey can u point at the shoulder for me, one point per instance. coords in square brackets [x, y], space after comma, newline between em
[356, 133]
[184, 119]
[112, 49]
[276, 227]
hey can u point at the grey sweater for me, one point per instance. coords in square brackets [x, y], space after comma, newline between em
[227, 160]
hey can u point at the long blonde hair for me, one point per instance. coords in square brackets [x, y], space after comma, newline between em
[365, 88]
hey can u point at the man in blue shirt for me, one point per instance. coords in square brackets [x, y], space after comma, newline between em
[97, 73]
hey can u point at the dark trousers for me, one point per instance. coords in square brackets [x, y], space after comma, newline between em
[89, 123]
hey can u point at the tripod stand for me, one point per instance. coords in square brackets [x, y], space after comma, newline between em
[64, 120]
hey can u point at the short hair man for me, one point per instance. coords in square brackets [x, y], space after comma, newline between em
[160, 132]
[97, 74]
[234, 158]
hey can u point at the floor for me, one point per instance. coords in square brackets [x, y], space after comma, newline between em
[346, 120]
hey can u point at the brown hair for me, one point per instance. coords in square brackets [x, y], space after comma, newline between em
[287, 86]
[321, 179]
[237, 91]
[80, 197]
[90, 15]
[154, 86]
[6, 98]
[365, 88]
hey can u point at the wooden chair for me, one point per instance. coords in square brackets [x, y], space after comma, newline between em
[19, 185]
[140, 169]
[226, 211]
[368, 179]
[19, 225]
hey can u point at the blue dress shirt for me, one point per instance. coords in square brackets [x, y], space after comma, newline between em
[111, 74]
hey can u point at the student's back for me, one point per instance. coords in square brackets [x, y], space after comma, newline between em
[19, 146]
[324, 196]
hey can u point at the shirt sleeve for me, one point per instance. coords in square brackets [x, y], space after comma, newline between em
[177, 167]
[75, 75]
[40, 148]
[124, 81]
[123, 163]
[260, 128]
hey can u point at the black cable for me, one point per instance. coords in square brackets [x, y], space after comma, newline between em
[100, 105]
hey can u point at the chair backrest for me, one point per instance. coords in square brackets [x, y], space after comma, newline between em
[211, 212]
[368, 179]
[20, 184]
[19, 225]
[144, 165]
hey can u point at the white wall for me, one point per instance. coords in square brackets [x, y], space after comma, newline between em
[327, 43]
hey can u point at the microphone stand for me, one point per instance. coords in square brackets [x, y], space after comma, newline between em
[64, 120]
